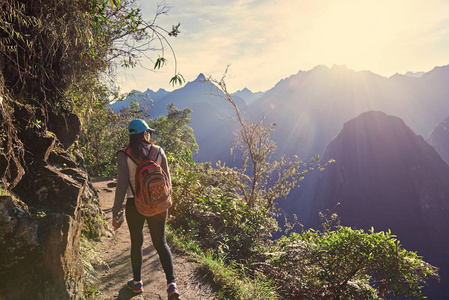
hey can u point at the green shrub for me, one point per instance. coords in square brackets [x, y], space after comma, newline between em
[346, 264]
[208, 208]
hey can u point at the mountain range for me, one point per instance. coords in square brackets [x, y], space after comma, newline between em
[311, 107]
[439, 139]
[388, 136]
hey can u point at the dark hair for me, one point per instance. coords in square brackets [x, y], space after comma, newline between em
[138, 144]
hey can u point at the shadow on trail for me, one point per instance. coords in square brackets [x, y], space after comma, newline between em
[126, 294]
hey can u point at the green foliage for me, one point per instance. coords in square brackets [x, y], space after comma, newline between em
[346, 264]
[232, 284]
[226, 225]
[105, 133]
[59, 56]
[173, 132]
[177, 79]
[91, 258]
[93, 225]
[175, 30]
[207, 208]
[160, 62]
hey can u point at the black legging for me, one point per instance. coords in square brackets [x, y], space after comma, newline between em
[156, 224]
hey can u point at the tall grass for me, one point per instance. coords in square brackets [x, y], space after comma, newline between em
[228, 280]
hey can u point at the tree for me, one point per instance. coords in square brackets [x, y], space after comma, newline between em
[270, 178]
[173, 132]
[105, 132]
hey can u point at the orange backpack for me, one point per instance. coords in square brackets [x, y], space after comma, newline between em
[152, 193]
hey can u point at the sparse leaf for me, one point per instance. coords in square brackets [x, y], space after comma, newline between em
[160, 62]
[177, 79]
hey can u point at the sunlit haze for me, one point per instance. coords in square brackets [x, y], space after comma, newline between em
[265, 41]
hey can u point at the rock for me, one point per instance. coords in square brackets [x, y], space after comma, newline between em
[61, 236]
[47, 187]
[16, 224]
[38, 144]
[66, 127]
[41, 251]
[44, 250]
[36, 258]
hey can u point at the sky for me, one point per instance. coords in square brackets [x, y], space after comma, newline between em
[265, 41]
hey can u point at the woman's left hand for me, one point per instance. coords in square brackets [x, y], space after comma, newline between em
[116, 224]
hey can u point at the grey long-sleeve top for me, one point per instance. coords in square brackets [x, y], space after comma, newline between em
[123, 180]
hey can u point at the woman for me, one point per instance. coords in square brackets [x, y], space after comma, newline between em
[142, 148]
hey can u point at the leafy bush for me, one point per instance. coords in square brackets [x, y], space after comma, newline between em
[208, 208]
[346, 264]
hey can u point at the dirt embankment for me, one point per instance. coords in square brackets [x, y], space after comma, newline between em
[115, 250]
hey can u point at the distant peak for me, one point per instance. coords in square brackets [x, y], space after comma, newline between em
[414, 74]
[245, 90]
[320, 68]
[339, 67]
[201, 78]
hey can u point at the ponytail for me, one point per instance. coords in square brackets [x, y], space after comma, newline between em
[138, 145]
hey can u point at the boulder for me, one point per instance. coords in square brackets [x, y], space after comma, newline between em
[16, 224]
[44, 247]
[66, 127]
[40, 256]
[48, 188]
[37, 143]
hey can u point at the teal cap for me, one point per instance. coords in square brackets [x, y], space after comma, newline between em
[137, 126]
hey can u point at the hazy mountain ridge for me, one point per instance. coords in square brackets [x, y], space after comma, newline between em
[248, 96]
[439, 139]
[414, 74]
[147, 99]
[311, 107]
[212, 116]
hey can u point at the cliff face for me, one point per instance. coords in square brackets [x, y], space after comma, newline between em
[40, 233]
[387, 177]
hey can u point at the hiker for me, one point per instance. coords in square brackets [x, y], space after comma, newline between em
[141, 148]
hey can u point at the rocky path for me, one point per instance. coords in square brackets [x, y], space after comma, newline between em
[114, 250]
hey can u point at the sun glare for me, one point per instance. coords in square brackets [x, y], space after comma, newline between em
[381, 36]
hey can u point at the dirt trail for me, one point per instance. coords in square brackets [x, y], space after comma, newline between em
[115, 249]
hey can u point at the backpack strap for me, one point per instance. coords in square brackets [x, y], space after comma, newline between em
[128, 153]
[157, 155]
